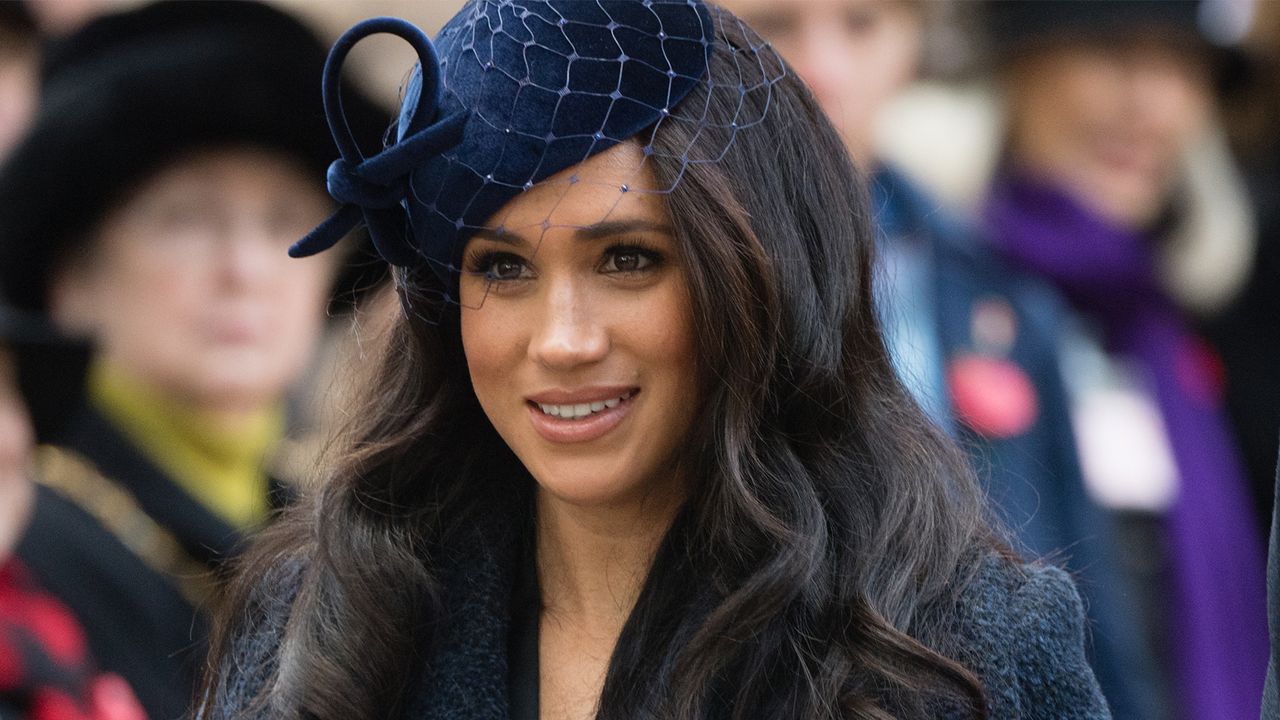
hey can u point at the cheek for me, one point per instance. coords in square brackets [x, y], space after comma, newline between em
[133, 297]
[491, 342]
[662, 335]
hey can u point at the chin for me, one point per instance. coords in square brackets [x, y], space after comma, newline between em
[585, 484]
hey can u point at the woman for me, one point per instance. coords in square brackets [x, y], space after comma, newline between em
[636, 449]
[1102, 110]
[149, 208]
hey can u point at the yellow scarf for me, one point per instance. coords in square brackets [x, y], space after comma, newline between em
[221, 468]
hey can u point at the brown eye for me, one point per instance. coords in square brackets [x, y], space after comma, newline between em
[505, 270]
[628, 260]
[498, 266]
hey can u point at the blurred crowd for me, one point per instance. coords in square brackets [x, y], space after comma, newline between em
[1078, 210]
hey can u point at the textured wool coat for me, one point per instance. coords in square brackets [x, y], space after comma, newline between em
[1021, 629]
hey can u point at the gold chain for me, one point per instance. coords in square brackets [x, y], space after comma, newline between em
[115, 508]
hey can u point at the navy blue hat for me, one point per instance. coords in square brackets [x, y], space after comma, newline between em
[510, 93]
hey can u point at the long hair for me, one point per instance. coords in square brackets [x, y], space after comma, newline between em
[829, 527]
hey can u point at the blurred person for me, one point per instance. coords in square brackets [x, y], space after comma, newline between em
[47, 672]
[174, 159]
[1101, 108]
[19, 60]
[974, 338]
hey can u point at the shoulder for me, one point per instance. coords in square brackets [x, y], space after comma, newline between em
[1022, 630]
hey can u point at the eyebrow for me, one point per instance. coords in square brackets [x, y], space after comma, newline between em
[587, 233]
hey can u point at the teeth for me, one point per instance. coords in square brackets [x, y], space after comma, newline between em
[581, 410]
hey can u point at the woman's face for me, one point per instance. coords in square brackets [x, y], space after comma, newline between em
[1109, 122]
[578, 335]
[188, 287]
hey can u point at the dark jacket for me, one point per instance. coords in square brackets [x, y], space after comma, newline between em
[141, 618]
[1271, 693]
[1032, 476]
[1021, 629]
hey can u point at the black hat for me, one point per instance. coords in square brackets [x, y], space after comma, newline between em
[1015, 26]
[51, 368]
[131, 92]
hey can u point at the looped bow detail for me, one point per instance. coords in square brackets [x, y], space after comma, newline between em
[374, 190]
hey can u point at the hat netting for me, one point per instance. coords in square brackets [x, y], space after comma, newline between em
[516, 93]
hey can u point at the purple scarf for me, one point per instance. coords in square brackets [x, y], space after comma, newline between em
[1218, 616]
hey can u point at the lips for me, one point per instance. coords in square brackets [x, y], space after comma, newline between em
[579, 416]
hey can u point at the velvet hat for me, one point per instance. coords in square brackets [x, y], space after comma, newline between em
[129, 93]
[512, 92]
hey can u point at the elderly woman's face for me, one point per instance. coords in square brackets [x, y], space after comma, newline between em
[189, 289]
[1109, 122]
[578, 335]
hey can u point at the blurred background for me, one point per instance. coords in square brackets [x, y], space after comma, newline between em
[1078, 211]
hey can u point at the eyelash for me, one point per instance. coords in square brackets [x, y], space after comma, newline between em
[483, 263]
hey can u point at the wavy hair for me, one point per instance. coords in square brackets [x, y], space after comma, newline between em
[830, 527]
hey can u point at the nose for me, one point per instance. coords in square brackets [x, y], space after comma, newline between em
[569, 333]
[248, 253]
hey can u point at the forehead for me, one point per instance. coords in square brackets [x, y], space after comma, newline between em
[616, 183]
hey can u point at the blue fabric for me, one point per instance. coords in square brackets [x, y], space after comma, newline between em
[1033, 478]
[511, 92]
[905, 298]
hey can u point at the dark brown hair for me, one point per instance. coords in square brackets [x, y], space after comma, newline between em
[830, 527]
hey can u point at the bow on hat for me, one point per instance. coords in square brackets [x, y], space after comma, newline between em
[511, 92]
[375, 189]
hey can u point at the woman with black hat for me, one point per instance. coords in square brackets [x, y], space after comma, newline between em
[636, 448]
[1102, 109]
[174, 159]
